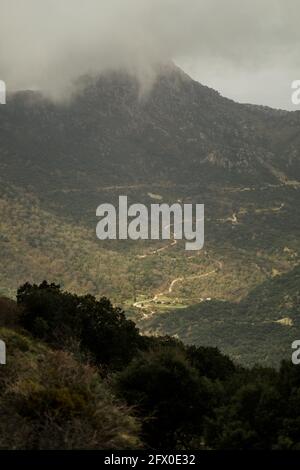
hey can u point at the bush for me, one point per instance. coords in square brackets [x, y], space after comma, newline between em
[48, 400]
[9, 313]
[60, 318]
[170, 396]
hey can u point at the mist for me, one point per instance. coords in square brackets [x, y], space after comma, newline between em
[249, 51]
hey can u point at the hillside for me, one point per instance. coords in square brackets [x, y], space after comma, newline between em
[179, 132]
[49, 400]
[178, 140]
[260, 328]
[79, 375]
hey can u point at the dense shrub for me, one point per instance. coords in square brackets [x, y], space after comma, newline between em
[57, 317]
[170, 395]
[210, 362]
[9, 313]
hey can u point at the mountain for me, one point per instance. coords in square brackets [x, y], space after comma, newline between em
[175, 140]
[112, 132]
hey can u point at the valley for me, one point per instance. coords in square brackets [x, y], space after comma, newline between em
[184, 142]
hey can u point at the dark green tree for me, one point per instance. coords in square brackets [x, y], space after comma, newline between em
[59, 317]
[170, 396]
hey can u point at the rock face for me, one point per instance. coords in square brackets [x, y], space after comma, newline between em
[114, 132]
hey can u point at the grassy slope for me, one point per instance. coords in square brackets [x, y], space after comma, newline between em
[50, 400]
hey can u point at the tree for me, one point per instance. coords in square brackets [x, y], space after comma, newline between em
[170, 396]
[59, 317]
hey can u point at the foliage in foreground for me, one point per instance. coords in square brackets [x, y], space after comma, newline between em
[60, 386]
[49, 400]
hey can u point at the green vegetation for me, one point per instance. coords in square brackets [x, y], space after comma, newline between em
[184, 142]
[51, 400]
[101, 329]
[79, 375]
[237, 259]
[260, 328]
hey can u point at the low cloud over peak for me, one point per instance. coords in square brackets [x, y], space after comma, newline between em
[46, 44]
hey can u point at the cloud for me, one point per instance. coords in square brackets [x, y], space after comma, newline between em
[48, 43]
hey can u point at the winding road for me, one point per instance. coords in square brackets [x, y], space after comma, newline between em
[143, 304]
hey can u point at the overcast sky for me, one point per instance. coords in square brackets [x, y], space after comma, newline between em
[249, 50]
